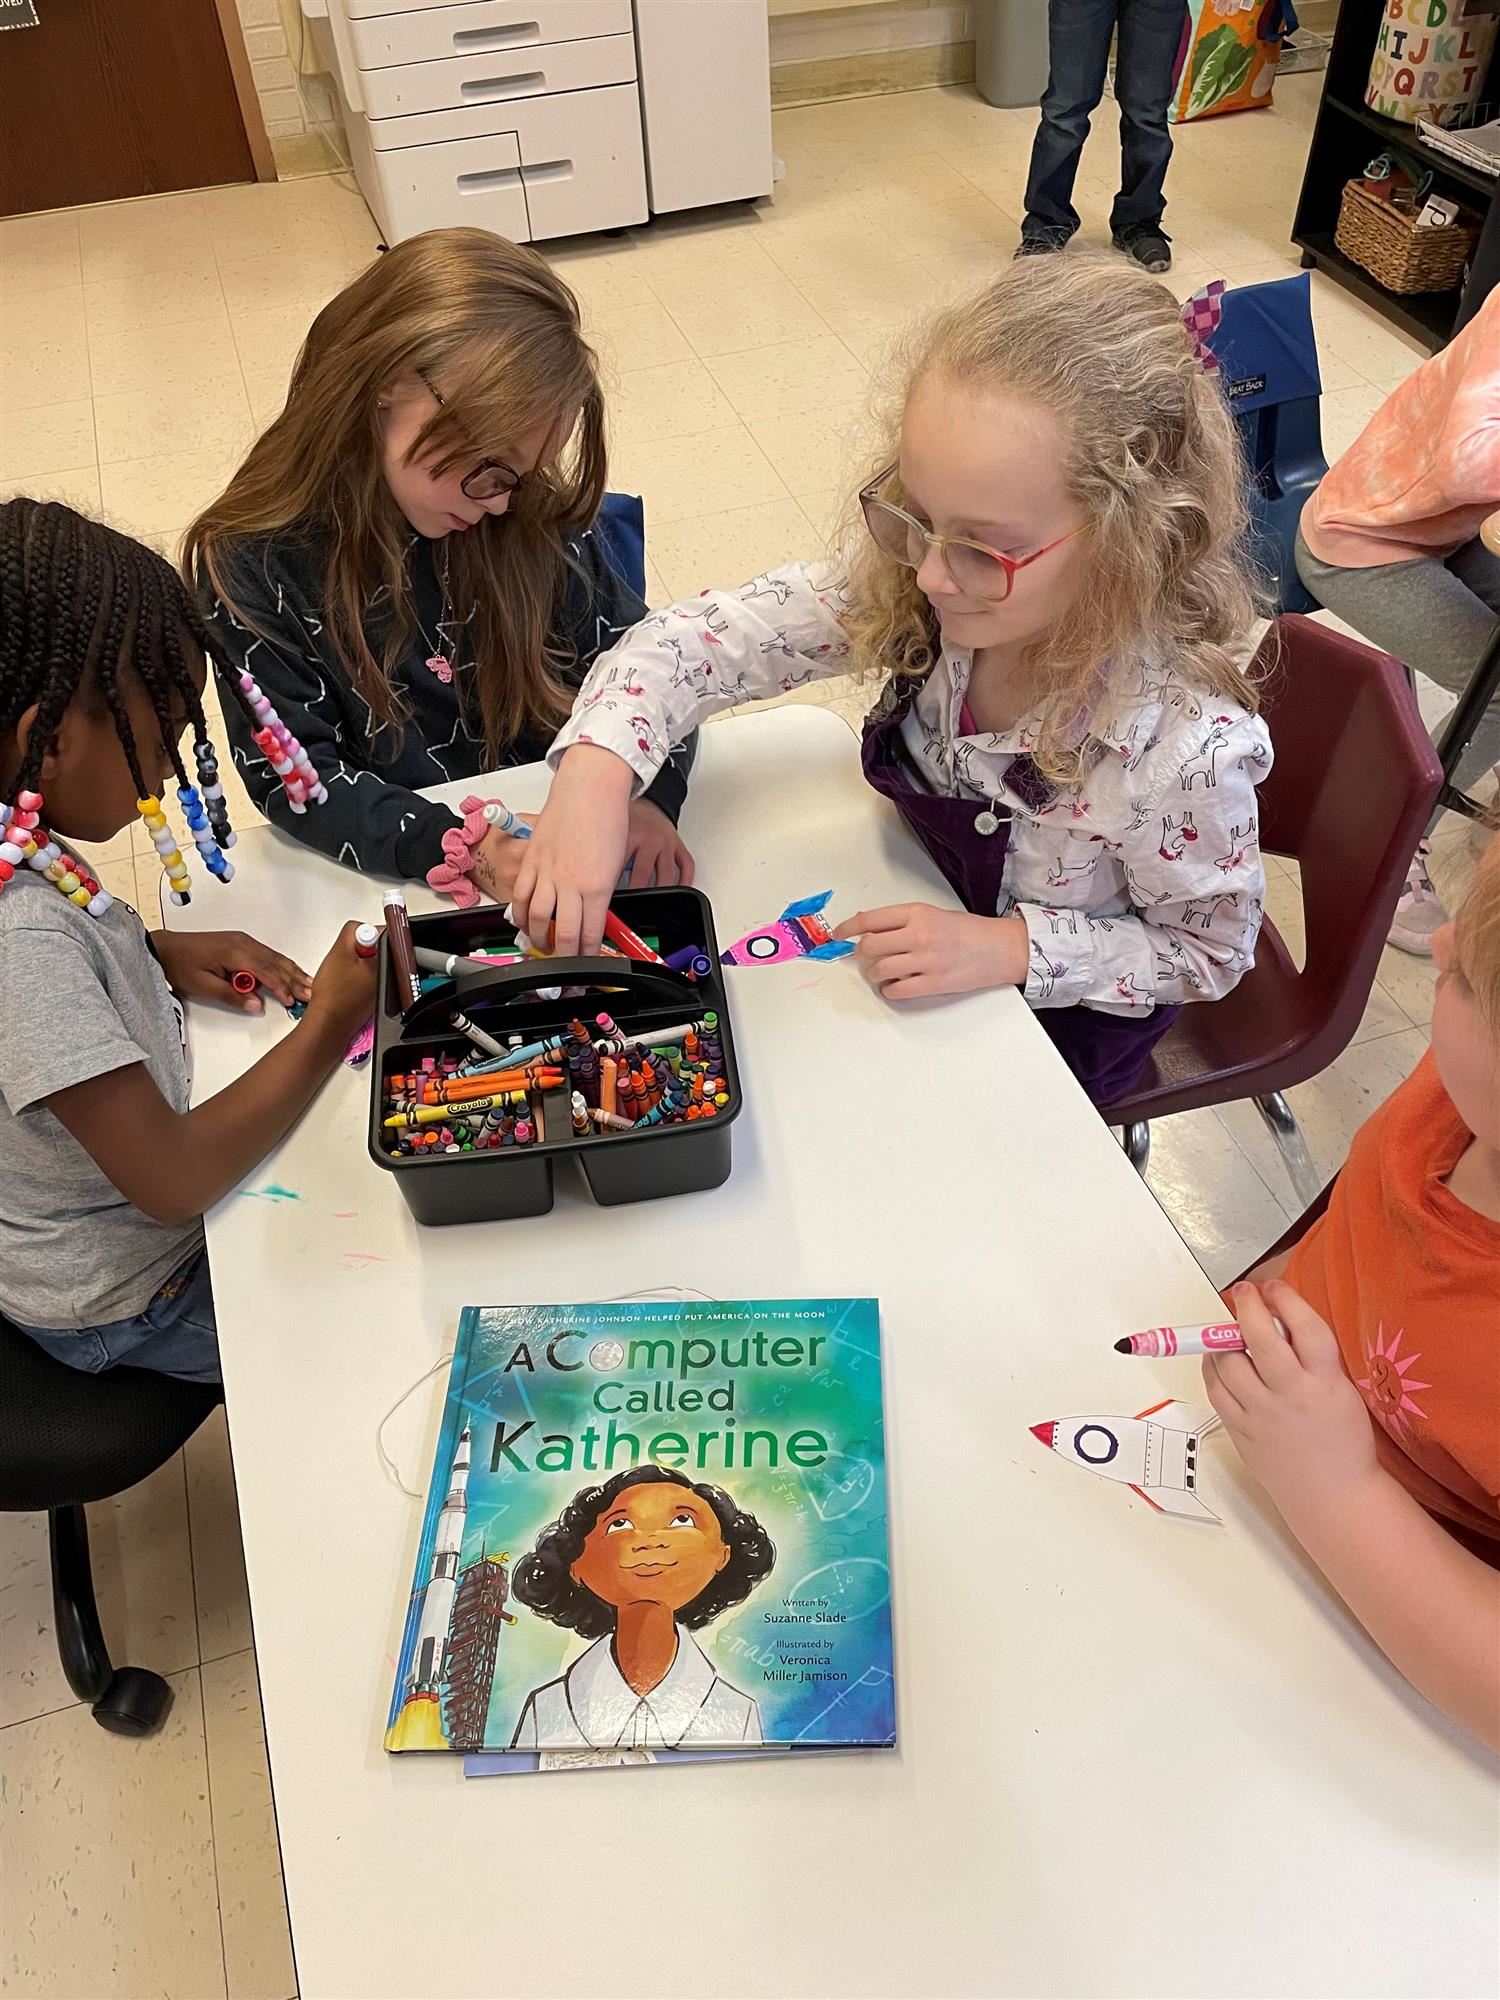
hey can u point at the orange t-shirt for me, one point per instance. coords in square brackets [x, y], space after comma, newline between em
[1408, 1277]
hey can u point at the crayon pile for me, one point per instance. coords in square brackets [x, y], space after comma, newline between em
[572, 1082]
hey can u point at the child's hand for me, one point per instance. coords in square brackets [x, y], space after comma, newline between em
[573, 860]
[655, 855]
[497, 861]
[343, 992]
[914, 951]
[200, 966]
[1296, 1419]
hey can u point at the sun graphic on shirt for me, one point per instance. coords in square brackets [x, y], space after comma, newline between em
[1387, 1386]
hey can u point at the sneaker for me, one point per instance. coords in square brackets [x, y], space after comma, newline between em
[1419, 910]
[1040, 243]
[1149, 247]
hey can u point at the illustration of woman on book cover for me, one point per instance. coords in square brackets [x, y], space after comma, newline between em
[638, 1565]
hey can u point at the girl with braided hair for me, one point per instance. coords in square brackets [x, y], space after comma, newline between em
[104, 1171]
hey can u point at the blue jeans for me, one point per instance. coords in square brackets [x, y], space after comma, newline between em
[1150, 33]
[175, 1335]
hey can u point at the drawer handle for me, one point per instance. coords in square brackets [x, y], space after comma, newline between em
[549, 170]
[486, 182]
[476, 41]
[523, 83]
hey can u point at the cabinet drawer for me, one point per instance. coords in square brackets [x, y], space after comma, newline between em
[460, 81]
[583, 164]
[483, 27]
[466, 181]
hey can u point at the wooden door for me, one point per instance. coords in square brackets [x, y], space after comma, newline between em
[109, 98]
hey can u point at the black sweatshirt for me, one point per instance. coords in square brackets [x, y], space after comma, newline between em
[373, 819]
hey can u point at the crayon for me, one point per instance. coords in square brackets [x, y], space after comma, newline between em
[608, 1121]
[244, 983]
[516, 1058]
[367, 940]
[476, 1035]
[607, 1098]
[408, 985]
[437, 1114]
[580, 1114]
[1223, 1338]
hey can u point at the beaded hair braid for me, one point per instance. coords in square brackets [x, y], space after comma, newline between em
[80, 603]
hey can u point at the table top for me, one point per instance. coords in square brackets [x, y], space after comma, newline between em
[1087, 1690]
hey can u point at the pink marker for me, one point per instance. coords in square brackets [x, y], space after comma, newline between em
[1162, 1340]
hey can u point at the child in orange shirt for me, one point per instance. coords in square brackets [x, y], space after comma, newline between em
[1375, 1425]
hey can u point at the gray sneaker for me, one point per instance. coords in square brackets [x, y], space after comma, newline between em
[1419, 910]
[1149, 246]
[1040, 243]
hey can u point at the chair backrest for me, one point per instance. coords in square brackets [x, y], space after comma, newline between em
[67, 1437]
[1268, 365]
[1353, 783]
[621, 528]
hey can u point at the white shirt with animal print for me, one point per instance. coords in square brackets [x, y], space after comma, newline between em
[1143, 884]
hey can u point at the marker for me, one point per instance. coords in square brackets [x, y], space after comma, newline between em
[367, 940]
[403, 951]
[244, 983]
[1225, 1338]
[452, 964]
[505, 821]
[693, 960]
[633, 947]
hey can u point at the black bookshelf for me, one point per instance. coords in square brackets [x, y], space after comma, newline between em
[1345, 138]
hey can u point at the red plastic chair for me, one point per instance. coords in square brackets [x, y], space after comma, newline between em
[1348, 798]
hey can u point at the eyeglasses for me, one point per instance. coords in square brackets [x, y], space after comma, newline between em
[978, 571]
[491, 477]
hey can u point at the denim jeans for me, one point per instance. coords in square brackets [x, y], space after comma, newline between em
[1150, 33]
[175, 1335]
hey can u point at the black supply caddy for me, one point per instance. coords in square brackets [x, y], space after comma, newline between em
[641, 1164]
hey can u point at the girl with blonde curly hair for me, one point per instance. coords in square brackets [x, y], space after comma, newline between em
[1052, 588]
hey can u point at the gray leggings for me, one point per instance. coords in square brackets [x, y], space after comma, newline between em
[1435, 616]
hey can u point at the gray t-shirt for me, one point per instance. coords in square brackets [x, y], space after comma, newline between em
[79, 996]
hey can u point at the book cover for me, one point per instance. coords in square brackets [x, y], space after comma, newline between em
[653, 1528]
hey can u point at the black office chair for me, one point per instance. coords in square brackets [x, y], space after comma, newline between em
[67, 1438]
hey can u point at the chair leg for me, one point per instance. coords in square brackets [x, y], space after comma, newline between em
[130, 1701]
[1284, 1129]
[1136, 1139]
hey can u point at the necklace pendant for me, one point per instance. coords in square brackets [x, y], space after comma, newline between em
[986, 823]
[441, 668]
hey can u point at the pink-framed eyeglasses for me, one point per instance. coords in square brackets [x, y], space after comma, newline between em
[977, 570]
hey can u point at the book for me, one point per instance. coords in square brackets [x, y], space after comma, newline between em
[655, 1531]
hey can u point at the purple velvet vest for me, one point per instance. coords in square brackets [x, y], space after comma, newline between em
[968, 839]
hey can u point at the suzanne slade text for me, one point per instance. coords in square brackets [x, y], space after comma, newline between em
[673, 1391]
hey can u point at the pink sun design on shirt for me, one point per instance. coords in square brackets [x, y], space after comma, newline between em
[1387, 1387]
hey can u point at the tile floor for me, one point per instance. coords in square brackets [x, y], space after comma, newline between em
[143, 343]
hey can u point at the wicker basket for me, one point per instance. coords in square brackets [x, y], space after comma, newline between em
[1396, 251]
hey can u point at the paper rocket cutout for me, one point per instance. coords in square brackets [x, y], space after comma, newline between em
[799, 932]
[1155, 1454]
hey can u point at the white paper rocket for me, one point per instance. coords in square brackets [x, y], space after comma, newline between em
[1155, 1454]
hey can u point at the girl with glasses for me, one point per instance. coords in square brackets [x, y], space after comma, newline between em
[407, 564]
[1051, 593]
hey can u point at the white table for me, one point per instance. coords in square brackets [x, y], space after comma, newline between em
[1138, 1756]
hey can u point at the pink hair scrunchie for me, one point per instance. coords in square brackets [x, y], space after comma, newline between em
[451, 875]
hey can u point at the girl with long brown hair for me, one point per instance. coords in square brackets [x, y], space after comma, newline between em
[407, 562]
[1049, 590]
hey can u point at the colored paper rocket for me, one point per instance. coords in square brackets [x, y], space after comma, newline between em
[799, 932]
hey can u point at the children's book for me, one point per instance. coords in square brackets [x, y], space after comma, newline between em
[655, 1532]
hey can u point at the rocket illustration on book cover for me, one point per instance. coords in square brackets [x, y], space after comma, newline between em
[653, 1530]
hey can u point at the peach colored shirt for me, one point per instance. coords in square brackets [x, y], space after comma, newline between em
[1425, 470]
